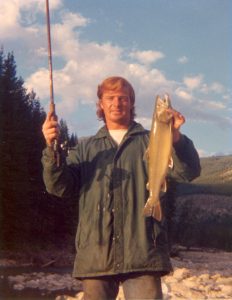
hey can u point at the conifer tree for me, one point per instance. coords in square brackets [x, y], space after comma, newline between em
[73, 140]
[27, 212]
[21, 145]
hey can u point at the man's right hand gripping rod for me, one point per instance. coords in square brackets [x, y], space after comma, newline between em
[56, 146]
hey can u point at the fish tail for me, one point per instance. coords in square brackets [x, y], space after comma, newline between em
[153, 210]
[148, 209]
[157, 212]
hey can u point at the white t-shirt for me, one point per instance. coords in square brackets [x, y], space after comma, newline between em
[118, 134]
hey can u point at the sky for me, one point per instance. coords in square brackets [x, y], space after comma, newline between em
[179, 47]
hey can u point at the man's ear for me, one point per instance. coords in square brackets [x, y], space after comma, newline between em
[100, 104]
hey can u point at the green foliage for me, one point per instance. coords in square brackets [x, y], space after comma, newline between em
[73, 140]
[64, 135]
[21, 117]
[28, 213]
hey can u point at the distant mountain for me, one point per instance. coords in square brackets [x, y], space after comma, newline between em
[215, 170]
[215, 178]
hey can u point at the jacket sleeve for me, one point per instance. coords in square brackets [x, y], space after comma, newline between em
[62, 181]
[186, 162]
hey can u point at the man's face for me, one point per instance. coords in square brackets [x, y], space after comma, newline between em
[117, 108]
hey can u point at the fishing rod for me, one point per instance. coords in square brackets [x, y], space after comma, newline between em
[56, 146]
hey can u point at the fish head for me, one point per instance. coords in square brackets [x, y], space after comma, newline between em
[161, 109]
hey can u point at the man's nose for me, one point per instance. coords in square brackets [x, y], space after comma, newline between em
[116, 101]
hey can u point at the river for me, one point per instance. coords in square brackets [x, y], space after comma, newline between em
[198, 274]
[34, 283]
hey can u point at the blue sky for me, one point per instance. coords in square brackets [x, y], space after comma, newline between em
[182, 47]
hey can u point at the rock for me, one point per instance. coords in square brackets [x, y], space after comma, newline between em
[196, 276]
[224, 280]
[189, 283]
[17, 278]
[33, 284]
[181, 273]
[226, 289]
[7, 262]
[18, 287]
[204, 277]
[64, 297]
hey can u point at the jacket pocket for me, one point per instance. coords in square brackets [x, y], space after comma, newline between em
[83, 234]
[160, 234]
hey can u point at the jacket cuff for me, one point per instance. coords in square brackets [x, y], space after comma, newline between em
[180, 144]
[48, 151]
[48, 156]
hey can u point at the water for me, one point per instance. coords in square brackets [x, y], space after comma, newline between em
[8, 293]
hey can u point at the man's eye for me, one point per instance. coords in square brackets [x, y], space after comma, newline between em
[123, 98]
[120, 98]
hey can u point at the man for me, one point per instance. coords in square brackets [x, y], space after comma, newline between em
[107, 173]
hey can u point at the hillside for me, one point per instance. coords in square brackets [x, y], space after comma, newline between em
[215, 170]
[203, 208]
[215, 178]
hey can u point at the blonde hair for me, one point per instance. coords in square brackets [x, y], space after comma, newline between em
[114, 83]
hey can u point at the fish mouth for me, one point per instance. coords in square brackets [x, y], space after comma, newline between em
[164, 116]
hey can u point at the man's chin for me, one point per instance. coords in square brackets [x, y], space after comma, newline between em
[117, 116]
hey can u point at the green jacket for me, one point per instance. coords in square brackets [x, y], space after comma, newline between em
[109, 183]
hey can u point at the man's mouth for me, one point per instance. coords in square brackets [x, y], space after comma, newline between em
[116, 111]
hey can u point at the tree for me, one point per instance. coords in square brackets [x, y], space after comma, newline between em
[28, 213]
[73, 140]
[21, 146]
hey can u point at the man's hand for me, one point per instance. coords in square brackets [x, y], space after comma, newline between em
[50, 129]
[178, 121]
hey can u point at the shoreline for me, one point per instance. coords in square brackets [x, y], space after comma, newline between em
[198, 274]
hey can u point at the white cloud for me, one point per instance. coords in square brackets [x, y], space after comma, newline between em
[212, 104]
[227, 97]
[215, 87]
[87, 63]
[38, 5]
[73, 20]
[147, 57]
[193, 82]
[203, 153]
[183, 60]
[180, 92]
[9, 19]
[39, 81]
[73, 83]
[16, 15]
[83, 64]
[90, 63]
[146, 122]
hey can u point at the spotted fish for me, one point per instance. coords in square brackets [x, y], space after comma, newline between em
[158, 155]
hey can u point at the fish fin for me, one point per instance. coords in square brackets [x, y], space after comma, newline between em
[148, 209]
[146, 154]
[153, 210]
[147, 186]
[164, 186]
[157, 212]
[170, 163]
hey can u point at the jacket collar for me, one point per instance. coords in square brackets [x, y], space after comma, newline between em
[135, 128]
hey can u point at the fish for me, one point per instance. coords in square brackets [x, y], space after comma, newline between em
[158, 155]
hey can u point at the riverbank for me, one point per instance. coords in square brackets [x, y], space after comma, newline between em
[198, 274]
